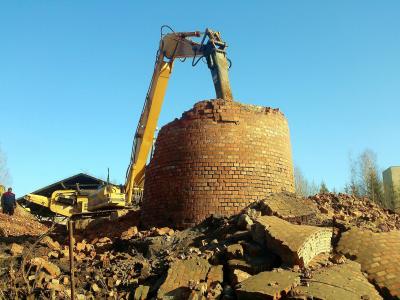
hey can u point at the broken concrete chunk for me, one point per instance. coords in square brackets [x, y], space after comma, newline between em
[49, 267]
[16, 249]
[179, 276]
[215, 275]
[295, 244]
[237, 276]
[53, 254]
[244, 222]
[348, 276]
[267, 285]
[214, 242]
[234, 251]
[289, 207]
[55, 286]
[130, 233]
[48, 242]
[80, 247]
[164, 231]
[105, 240]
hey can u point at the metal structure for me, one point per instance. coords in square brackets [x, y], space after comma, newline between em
[172, 46]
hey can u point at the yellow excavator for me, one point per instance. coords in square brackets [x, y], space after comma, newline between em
[173, 45]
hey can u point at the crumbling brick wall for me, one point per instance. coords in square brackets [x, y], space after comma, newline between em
[219, 157]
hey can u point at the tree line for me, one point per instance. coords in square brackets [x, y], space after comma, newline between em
[365, 180]
[365, 177]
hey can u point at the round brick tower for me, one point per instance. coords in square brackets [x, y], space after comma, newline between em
[217, 159]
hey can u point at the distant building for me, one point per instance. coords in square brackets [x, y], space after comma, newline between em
[391, 185]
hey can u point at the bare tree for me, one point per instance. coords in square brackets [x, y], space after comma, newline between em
[4, 173]
[365, 177]
[353, 186]
[303, 187]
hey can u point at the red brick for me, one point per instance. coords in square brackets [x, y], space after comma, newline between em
[216, 163]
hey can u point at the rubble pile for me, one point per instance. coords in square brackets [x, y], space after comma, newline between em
[274, 249]
[118, 222]
[348, 211]
[22, 223]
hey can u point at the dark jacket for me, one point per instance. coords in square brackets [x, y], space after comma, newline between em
[8, 199]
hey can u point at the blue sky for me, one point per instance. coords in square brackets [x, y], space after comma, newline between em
[74, 74]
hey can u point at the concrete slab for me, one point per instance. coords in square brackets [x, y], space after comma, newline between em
[267, 285]
[343, 281]
[289, 207]
[182, 274]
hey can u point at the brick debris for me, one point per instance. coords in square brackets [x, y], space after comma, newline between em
[220, 258]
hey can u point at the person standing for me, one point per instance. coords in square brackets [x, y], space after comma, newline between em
[8, 202]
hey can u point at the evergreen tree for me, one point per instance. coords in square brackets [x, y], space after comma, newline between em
[323, 189]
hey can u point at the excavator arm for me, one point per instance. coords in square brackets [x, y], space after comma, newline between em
[173, 45]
